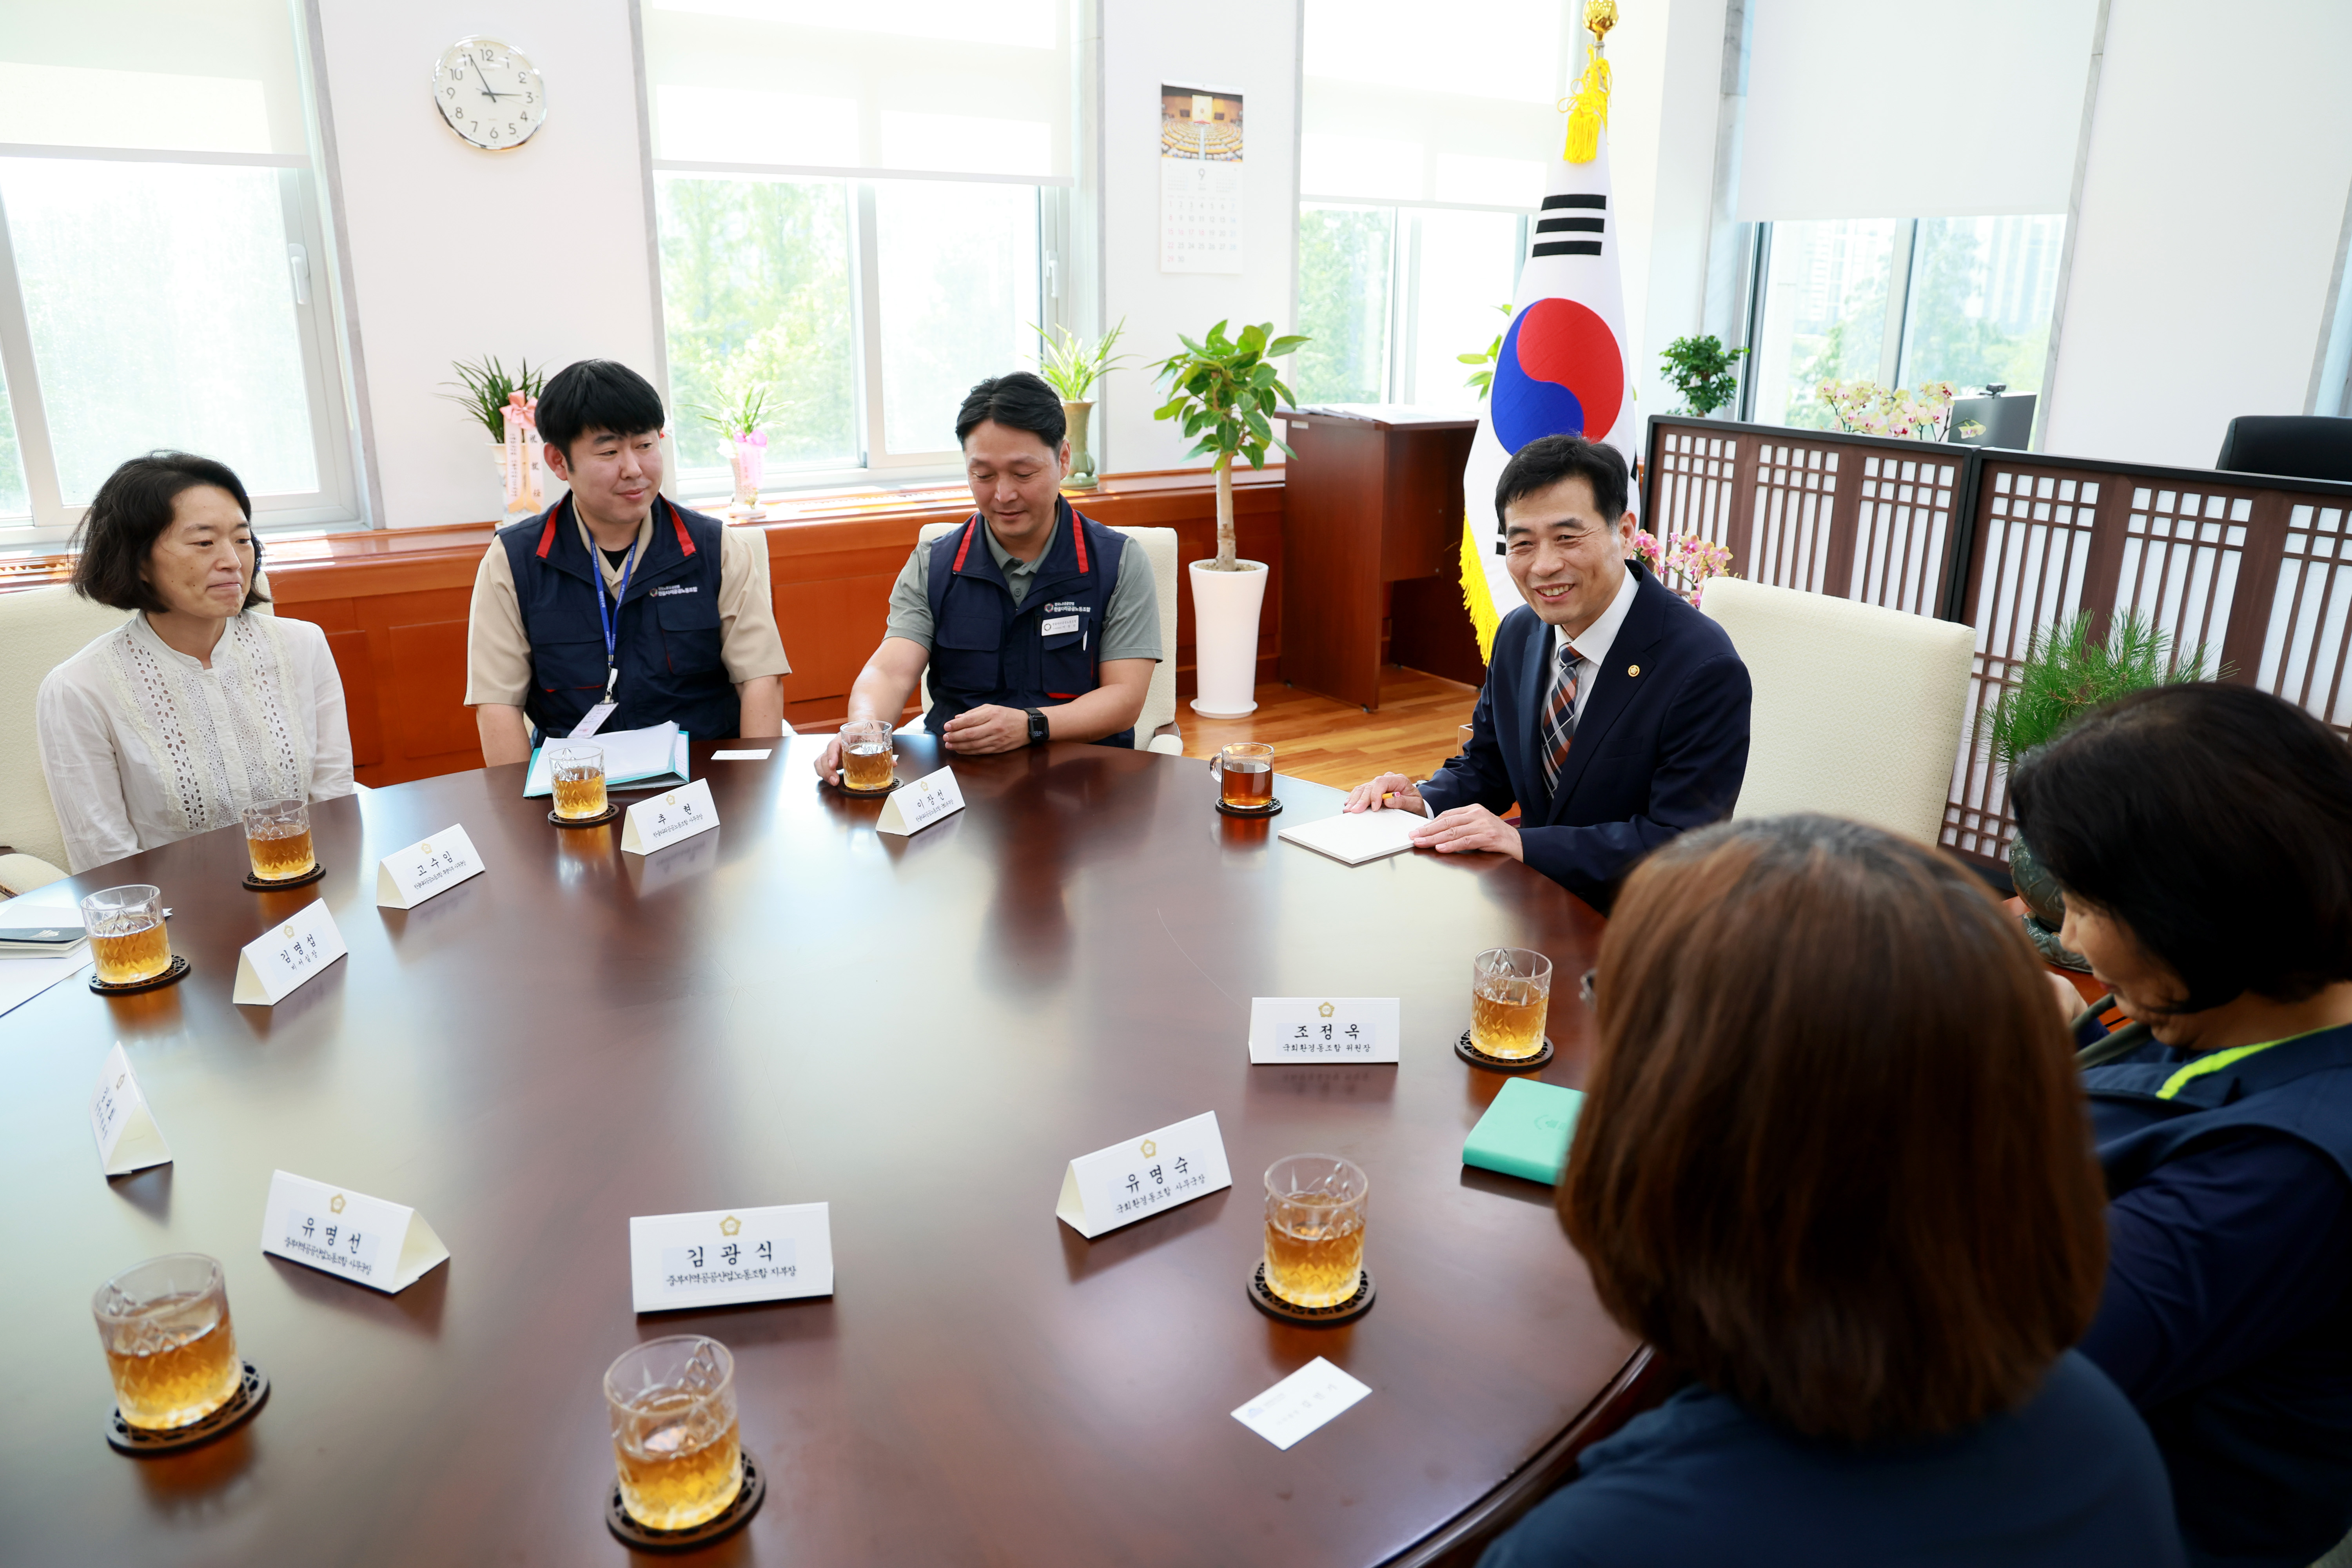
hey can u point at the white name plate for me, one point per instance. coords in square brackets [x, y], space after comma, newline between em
[337, 1231]
[1300, 1402]
[727, 1255]
[128, 1138]
[408, 876]
[668, 817]
[915, 806]
[1123, 1183]
[273, 964]
[1324, 1029]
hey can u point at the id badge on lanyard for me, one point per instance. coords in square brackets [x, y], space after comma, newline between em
[608, 615]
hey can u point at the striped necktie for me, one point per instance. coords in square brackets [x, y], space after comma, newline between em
[1560, 716]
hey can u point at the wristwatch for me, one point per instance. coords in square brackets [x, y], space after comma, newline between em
[1039, 731]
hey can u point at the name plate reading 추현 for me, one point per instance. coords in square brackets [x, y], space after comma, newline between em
[386, 1247]
[406, 877]
[917, 805]
[285, 956]
[726, 1256]
[128, 1138]
[1324, 1029]
[668, 817]
[1127, 1182]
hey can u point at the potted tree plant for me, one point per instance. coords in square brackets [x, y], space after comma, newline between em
[1704, 371]
[1071, 366]
[1225, 391]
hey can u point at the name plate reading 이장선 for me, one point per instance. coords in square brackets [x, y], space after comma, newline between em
[1324, 1029]
[676, 814]
[1123, 1183]
[285, 956]
[337, 1231]
[919, 805]
[726, 1256]
[128, 1138]
[408, 876]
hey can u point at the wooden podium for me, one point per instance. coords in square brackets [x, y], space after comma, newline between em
[1372, 532]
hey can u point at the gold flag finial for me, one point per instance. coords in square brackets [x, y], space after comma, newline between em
[1599, 16]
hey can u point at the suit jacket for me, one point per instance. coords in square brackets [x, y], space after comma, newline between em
[1655, 752]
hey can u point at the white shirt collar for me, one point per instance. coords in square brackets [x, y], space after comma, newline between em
[1593, 643]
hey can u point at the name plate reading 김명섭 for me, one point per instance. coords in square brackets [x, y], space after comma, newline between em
[916, 806]
[128, 1138]
[672, 815]
[1324, 1029]
[337, 1231]
[285, 956]
[726, 1256]
[406, 877]
[1123, 1183]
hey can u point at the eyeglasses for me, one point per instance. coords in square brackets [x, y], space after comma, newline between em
[1584, 985]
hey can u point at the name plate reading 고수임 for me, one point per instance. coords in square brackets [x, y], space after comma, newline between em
[1324, 1029]
[285, 956]
[727, 1255]
[1123, 1183]
[916, 806]
[672, 815]
[406, 877]
[334, 1230]
[128, 1138]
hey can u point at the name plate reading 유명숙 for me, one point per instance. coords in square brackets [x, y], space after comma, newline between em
[727, 1255]
[285, 956]
[1123, 1183]
[128, 1138]
[386, 1247]
[919, 805]
[406, 877]
[1324, 1029]
[669, 816]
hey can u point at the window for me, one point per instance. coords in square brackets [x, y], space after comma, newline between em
[1391, 298]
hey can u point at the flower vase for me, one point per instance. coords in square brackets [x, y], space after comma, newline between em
[1081, 476]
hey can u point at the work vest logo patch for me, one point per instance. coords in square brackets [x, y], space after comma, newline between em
[668, 589]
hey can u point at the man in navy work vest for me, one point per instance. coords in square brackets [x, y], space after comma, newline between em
[1036, 623]
[616, 608]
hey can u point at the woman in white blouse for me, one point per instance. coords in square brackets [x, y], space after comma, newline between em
[199, 705]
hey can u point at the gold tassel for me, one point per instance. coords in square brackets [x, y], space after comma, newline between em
[1588, 112]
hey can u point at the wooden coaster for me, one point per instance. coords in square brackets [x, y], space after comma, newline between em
[896, 782]
[1274, 810]
[1479, 1058]
[139, 1442]
[734, 1517]
[1273, 1305]
[612, 810]
[317, 869]
[170, 976]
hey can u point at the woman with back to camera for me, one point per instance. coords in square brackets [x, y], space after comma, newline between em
[197, 707]
[2203, 837]
[1832, 1167]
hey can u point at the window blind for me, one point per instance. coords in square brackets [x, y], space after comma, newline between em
[162, 75]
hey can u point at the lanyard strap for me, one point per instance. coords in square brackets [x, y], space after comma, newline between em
[609, 615]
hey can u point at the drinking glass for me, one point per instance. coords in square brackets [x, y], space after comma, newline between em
[127, 938]
[1245, 775]
[578, 773]
[278, 839]
[1315, 1228]
[165, 1324]
[676, 1440]
[1510, 989]
[868, 761]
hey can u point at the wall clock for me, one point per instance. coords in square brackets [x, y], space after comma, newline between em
[489, 93]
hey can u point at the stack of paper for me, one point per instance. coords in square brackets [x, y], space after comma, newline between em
[634, 759]
[1357, 837]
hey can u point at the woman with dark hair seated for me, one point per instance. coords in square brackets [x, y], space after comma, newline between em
[1832, 1167]
[2203, 837]
[197, 707]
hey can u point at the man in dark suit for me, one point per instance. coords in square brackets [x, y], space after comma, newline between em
[1613, 713]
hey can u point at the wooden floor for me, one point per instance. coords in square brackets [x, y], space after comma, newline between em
[1333, 743]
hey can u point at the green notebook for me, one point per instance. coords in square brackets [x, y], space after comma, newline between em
[1525, 1131]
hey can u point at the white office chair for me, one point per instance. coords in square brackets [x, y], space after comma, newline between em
[1859, 710]
[1160, 702]
[41, 628]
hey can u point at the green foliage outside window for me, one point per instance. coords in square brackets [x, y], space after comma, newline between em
[1343, 304]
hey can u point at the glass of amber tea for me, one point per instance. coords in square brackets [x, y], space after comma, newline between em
[675, 1436]
[1315, 1228]
[1510, 989]
[868, 761]
[1245, 775]
[277, 838]
[578, 773]
[165, 1324]
[127, 939]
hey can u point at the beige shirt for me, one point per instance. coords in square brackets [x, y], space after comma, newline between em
[497, 655]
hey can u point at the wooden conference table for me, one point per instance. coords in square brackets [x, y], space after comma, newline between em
[921, 1032]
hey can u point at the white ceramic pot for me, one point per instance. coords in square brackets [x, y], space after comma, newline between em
[1225, 605]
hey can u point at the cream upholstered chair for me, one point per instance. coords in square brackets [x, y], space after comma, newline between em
[41, 628]
[1859, 710]
[1160, 702]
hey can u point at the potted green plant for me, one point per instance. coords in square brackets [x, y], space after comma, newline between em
[738, 422]
[1704, 371]
[1225, 391]
[1484, 380]
[486, 391]
[1072, 366]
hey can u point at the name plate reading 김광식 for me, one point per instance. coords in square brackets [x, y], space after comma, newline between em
[726, 1256]
[285, 956]
[406, 877]
[1324, 1029]
[1123, 1183]
[672, 815]
[128, 1138]
[337, 1231]
[916, 806]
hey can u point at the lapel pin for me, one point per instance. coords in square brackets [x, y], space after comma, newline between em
[1633, 670]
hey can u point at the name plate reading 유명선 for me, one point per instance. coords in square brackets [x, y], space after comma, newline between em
[337, 1231]
[285, 956]
[672, 815]
[406, 877]
[919, 805]
[128, 1138]
[726, 1256]
[1324, 1029]
[1123, 1183]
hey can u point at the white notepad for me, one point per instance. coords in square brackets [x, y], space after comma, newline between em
[653, 758]
[1356, 837]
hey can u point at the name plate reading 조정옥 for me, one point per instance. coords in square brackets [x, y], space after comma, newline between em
[285, 956]
[668, 817]
[406, 877]
[1127, 1182]
[1300, 1402]
[727, 1255]
[1324, 1029]
[917, 805]
[128, 1138]
[337, 1231]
